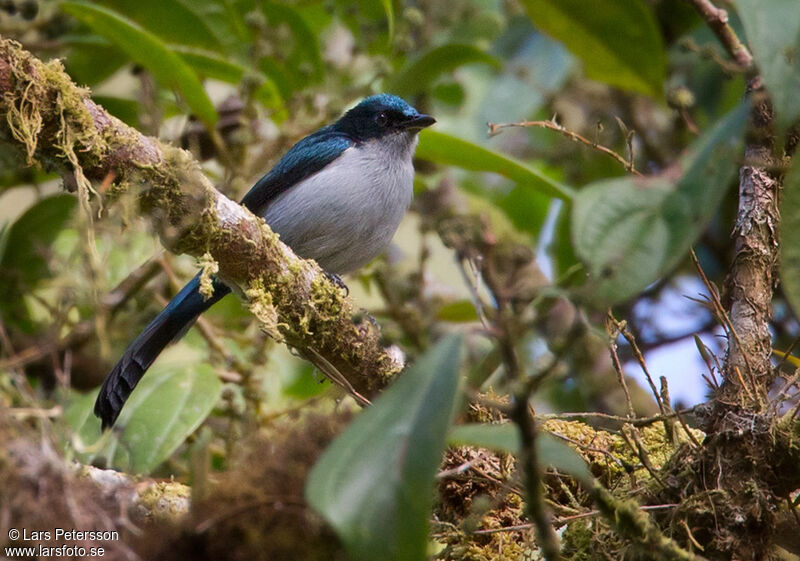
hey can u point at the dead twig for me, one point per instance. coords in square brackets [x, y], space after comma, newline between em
[717, 20]
[495, 128]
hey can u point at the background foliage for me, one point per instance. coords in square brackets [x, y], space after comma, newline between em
[519, 239]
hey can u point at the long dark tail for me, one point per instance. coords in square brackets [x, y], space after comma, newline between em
[173, 321]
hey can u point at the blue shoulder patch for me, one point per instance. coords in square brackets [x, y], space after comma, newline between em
[304, 159]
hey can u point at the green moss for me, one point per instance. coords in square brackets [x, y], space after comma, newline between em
[166, 500]
[208, 268]
[260, 305]
[577, 541]
[326, 298]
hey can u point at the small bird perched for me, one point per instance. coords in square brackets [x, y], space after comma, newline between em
[337, 196]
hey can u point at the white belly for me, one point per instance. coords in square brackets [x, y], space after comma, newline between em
[346, 214]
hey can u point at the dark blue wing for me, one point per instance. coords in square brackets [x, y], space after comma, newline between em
[304, 159]
[169, 325]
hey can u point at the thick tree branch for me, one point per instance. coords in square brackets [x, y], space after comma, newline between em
[57, 125]
[748, 372]
[751, 281]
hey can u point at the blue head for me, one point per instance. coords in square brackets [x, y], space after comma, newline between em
[382, 115]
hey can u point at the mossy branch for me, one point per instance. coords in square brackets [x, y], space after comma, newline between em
[631, 522]
[57, 125]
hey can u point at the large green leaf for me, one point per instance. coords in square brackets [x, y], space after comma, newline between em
[790, 238]
[505, 438]
[24, 261]
[165, 408]
[389, 9]
[306, 47]
[174, 21]
[149, 51]
[418, 74]
[210, 65]
[629, 231]
[126, 110]
[31, 235]
[374, 484]
[82, 63]
[773, 32]
[617, 40]
[443, 148]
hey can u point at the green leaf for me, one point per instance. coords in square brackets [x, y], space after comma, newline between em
[773, 32]
[389, 9]
[126, 110]
[174, 21]
[228, 17]
[418, 74]
[790, 238]
[82, 62]
[550, 450]
[210, 65]
[374, 484]
[165, 408]
[149, 51]
[561, 249]
[443, 148]
[630, 231]
[501, 437]
[526, 208]
[306, 47]
[31, 235]
[617, 40]
[4, 231]
[25, 260]
[458, 311]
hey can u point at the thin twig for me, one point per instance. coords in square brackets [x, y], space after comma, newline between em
[638, 447]
[711, 53]
[638, 422]
[83, 331]
[494, 128]
[35, 412]
[622, 328]
[545, 533]
[719, 309]
[612, 349]
[474, 286]
[717, 20]
[588, 448]
[688, 431]
[786, 354]
[636, 525]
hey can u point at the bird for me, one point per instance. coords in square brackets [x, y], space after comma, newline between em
[337, 196]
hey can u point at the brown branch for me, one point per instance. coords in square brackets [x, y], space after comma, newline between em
[112, 302]
[752, 276]
[495, 128]
[57, 125]
[717, 20]
[546, 537]
[627, 517]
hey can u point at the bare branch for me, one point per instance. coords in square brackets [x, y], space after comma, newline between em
[495, 128]
[717, 20]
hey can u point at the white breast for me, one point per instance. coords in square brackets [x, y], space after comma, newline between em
[346, 214]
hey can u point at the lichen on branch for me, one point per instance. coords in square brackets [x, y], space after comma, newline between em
[56, 125]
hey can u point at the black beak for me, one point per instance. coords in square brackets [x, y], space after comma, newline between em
[419, 122]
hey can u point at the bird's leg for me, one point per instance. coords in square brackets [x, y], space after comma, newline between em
[337, 280]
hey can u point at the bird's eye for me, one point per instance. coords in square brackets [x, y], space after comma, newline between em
[382, 119]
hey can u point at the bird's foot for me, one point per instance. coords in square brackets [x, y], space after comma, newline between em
[337, 280]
